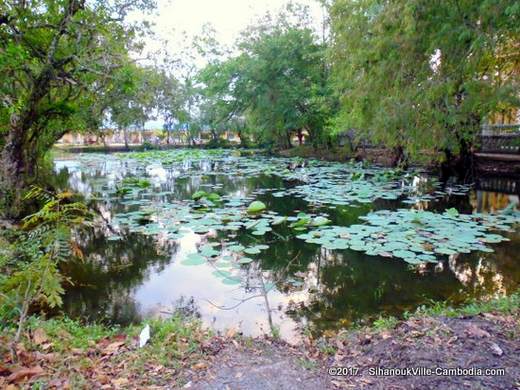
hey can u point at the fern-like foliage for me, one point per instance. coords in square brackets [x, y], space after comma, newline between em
[44, 240]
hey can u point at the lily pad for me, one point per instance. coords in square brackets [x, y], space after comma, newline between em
[194, 259]
[256, 207]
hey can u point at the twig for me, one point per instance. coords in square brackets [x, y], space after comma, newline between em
[235, 306]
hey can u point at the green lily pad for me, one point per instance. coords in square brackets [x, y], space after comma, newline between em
[231, 281]
[194, 259]
[252, 250]
[199, 195]
[256, 207]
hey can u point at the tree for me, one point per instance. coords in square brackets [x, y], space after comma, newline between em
[53, 54]
[133, 97]
[171, 103]
[422, 75]
[278, 82]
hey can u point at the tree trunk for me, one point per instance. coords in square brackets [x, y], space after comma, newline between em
[300, 137]
[399, 158]
[464, 164]
[125, 136]
[14, 170]
[242, 139]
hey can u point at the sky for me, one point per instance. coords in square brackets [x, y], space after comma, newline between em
[176, 22]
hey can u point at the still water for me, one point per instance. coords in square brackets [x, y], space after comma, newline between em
[130, 274]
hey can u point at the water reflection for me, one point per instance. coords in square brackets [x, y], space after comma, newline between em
[103, 284]
[293, 285]
[490, 202]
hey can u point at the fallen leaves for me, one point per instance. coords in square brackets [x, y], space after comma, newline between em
[23, 373]
[112, 347]
[483, 340]
[476, 332]
[200, 366]
[119, 382]
[113, 362]
[40, 337]
[231, 332]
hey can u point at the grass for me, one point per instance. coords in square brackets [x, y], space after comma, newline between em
[87, 356]
[66, 333]
[172, 341]
[307, 363]
[385, 323]
[504, 305]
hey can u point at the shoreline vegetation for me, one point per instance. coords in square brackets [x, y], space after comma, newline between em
[484, 164]
[394, 83]
[39, 352]
[63, 353]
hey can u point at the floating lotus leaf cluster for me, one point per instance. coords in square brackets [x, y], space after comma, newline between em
[318, 182]
[416, 236]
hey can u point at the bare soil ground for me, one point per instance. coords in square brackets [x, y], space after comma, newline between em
[483, 341]
[262, 366]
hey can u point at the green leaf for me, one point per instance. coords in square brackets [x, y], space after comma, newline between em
[199, 195]
[256, 207]
[252, 250]
[453, 212]
[194, 259]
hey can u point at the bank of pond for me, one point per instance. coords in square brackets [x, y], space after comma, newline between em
[272, 245]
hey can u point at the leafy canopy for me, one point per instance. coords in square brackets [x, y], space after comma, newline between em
[424, 74]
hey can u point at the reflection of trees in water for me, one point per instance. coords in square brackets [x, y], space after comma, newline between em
[486, 275]
[491, 202]
[351, 286]
[338, 287]
[183, 306]
[342, 287]
[103, 282]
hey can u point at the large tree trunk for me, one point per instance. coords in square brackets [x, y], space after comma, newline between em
[15, 170]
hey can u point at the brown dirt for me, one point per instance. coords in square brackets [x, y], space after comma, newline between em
[262, 365]
[484, 341]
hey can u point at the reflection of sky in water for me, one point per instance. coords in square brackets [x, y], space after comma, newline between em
[198, 282]
[338, 287]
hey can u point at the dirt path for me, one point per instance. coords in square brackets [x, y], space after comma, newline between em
[483, 341]
[487, 341]
[261, 367]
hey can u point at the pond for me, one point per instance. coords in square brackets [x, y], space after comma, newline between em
[330, 244]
